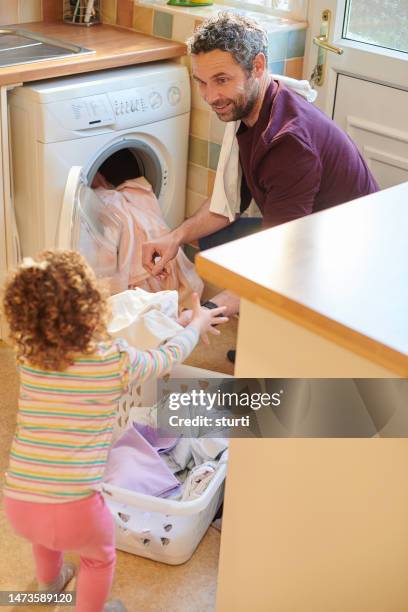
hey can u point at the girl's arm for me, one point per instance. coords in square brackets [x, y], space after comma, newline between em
[138, 365]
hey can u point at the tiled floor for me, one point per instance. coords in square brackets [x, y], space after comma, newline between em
[143, 585]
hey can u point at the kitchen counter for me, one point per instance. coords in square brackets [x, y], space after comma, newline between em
[113, 47]
[325, 295]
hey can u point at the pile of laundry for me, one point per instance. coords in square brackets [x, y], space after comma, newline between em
[134, 208]
[144, 460]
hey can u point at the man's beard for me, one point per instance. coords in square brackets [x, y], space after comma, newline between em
[241, 106]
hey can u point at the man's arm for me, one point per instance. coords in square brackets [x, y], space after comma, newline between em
[201, 224]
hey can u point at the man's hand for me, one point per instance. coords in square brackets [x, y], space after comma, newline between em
[157, 253]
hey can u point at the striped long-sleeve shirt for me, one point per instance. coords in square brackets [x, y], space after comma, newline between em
[65, 419]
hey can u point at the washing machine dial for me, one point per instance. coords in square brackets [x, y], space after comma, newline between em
[174, 95]
[155, 100]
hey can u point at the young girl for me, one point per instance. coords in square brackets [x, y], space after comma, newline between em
[71, 378]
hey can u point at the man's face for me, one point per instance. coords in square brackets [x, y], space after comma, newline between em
[224, 85]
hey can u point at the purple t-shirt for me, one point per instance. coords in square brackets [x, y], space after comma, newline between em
[296, 161]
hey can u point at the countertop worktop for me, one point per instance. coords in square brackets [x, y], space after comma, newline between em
[341, 273]
[113, 47]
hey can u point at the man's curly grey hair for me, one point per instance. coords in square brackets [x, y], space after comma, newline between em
[242, 37]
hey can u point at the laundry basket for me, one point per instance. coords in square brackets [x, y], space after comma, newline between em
[164, 530]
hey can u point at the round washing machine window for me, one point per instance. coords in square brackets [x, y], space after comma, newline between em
[128, 159]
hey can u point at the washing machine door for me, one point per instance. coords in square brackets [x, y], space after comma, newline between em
[86, 225]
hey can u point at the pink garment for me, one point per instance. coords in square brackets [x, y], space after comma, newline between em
[136, 205]
[86, 527]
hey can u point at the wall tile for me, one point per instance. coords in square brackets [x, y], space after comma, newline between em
[214, 153]
[8, 12]
[198, 151]
[186, 61]
[124, 13]
[143, 19]
[193, 202]
[210, 182]
[109, 11]
[278, 46]
[196, 99]
[52, 10]
[296, 43]
[197, 179]
[277, 67]
[294, 68]
[217, 128]
[162, 24]
[200, 123]
[30, 10]
[183, 27]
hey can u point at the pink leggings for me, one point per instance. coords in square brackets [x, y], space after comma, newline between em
[85, 527]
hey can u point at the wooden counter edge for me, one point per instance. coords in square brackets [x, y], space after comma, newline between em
[302, 315]
[36, 71]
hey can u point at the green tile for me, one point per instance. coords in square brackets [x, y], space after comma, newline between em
[162, 24]
[276, 67]
[214, 155]
[198, 151]
[278, 46]
[296, 43]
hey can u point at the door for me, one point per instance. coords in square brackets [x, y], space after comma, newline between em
[86, 225]
[364, 79]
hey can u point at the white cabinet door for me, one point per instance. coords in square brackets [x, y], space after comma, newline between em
[381, 135]
[365, 88]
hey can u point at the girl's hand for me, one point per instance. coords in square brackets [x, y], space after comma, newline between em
[205, 319]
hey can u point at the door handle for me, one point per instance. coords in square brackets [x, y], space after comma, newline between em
[321, 41]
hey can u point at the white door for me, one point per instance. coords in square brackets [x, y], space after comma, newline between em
[365, 83]
[86, 225]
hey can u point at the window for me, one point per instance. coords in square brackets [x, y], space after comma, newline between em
[290, 9]
[383, 23]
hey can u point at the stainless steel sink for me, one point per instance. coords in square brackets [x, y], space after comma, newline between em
[19, 46]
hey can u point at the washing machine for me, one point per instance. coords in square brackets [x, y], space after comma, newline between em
[124, 123]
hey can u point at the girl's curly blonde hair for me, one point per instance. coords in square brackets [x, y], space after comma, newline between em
[55, 309]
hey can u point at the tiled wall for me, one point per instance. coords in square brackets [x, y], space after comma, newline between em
[286, 51]
[19, 11]
[24, 11]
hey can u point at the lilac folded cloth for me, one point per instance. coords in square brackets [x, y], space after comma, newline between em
[134, 465]
[156, 438]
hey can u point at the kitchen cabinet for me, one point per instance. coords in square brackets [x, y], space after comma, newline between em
[318, 524]
[322, 296]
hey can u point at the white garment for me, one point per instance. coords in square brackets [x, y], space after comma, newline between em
[205, 449]
[144, 319]
[225, 199]
[198, 480]
[180, 456]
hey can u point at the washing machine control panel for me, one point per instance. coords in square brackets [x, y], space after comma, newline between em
[150, 103]
[123, 108]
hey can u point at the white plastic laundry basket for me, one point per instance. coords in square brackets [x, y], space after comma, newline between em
[153, 527]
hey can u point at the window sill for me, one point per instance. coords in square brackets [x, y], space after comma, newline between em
[271, 23]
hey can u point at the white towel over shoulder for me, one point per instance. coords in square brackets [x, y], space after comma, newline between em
[225, 199]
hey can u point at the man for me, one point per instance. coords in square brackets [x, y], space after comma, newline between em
[294, 159]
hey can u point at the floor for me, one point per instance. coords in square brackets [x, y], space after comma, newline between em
[143, 585]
